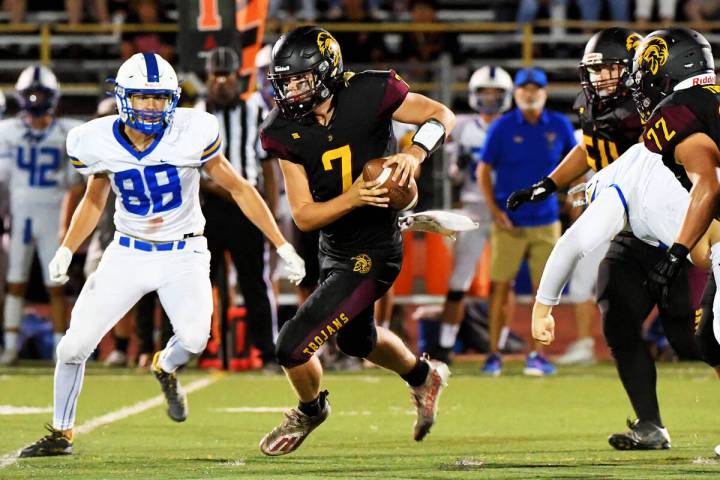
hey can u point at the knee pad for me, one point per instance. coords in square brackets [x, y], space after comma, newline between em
[357, 345]
[288, 354]
[194, 344]
[455, 295]
[71, 350]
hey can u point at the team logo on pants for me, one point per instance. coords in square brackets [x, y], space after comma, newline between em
[363, 263]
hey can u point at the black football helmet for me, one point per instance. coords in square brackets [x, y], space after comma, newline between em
[663, 61]
[612, 46]
[305, 70]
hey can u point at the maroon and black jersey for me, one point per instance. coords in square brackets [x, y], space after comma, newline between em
[334, 155]
[607, 135]
[682, 113]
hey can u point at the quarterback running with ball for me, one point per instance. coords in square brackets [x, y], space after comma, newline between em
[150, 155]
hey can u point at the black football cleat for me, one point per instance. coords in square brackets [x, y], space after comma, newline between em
[49, 446]
[174, 394]
[642, 436]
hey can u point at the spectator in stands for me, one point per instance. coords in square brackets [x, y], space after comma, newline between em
[426, 47]
[75, 10]
[619, 9]
[528, 10]
[360, 47]
[521, 147]
[702, 10]
[308, 12]
[644, 8]
[338, 9]
[147, 12]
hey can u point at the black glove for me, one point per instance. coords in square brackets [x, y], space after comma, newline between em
[540, 191]
[664, 273]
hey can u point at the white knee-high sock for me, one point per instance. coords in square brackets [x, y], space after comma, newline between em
[448, 335]
[13, 315]
[68, 383]
[173, 356]
[715, 263]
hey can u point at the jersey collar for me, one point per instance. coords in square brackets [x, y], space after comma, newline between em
[139, 155]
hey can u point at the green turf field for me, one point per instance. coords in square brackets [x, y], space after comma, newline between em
[509, 427]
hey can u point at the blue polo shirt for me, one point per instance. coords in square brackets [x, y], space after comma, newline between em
[521, 154]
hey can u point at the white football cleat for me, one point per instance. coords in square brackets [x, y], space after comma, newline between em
[437, 221]
[427, 396]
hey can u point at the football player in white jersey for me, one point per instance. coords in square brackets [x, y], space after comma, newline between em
[489, 94]
[150, 155]
[32, 149]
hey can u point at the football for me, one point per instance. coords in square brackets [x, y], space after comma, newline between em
[401, 198]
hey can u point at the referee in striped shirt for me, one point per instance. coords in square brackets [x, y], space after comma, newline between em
[227, 228]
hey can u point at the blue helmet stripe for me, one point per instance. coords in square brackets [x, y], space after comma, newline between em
[492, 72]
[153, 72]
[36, 74]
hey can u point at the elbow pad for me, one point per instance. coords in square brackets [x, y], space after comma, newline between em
[430, 136]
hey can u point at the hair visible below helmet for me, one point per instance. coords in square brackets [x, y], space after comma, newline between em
[37, 90]
[608, 47]
[666, 61]
[310, 52]
[490, 77]
[146, 74]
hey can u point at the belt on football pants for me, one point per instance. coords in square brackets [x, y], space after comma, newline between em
[148, 246]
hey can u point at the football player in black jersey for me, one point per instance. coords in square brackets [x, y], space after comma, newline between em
[611, 124]
[328, 123]
[673, 84]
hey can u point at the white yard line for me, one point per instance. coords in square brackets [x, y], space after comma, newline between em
[350, 413]
[10, 458]
[13, 410]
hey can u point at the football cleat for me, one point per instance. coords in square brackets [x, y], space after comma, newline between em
[117, 358]
[538, 366]
[292, 432]
[642, 436]
[50, 445]
[579, 352]
[174, 394]
[493, 365]
[427, 396]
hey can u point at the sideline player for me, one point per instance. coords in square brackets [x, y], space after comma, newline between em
[328, 124]
[638, 192]
[489, 95]
[150, 155]
[33, 143]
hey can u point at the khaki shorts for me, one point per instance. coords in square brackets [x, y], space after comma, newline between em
[509, 248]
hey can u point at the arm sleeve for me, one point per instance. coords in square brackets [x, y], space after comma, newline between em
[212, 139]
[604, 218]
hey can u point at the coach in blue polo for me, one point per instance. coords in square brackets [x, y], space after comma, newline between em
[521, 147]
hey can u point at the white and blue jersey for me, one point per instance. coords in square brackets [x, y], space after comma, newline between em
[34, 163]
[156, 189]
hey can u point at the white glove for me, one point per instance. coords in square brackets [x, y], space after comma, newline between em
[294, 264]
[59, 265]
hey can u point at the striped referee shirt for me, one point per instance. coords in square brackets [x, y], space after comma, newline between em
[239, 125]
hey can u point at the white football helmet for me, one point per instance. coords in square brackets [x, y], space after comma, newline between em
[3, 104]
[490, 77]
[146, 74]
[37, 90]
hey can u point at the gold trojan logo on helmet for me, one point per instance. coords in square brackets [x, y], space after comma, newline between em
[654, 54]
[632, 42]
[329, 47]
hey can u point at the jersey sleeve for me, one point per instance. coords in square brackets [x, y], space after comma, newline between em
[684, 113]
[82, 156]
[396, 89]
[211, 137]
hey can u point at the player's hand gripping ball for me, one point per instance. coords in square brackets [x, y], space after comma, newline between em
[401, 197]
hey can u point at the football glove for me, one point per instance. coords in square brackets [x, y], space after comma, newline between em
[59, 265]
[294, 264]
[539, 191]
[665, 272]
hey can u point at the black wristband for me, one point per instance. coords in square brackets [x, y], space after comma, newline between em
[678, 250]
[548, 183]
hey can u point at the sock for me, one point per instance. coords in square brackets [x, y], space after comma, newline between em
[11, 341]
[448, 334]
[314, 407]
[121, 343]
[715, 263]
[385, 324]
[639, 377]
[68, 383]
[173, 356]
[13, 316]
[418, 374]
